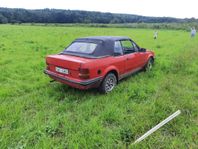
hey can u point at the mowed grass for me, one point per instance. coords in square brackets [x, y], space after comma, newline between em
[35, 113]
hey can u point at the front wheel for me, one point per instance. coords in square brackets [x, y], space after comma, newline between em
[108, 83]
[149, 65]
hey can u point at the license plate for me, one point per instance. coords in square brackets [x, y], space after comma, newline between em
[61, 70]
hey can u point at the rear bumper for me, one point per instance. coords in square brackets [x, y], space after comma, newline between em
[84, 84]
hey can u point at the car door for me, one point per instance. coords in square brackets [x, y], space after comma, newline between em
[119, 58]
[131, 56]
[140, 55]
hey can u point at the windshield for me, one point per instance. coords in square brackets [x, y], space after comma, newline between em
[81, 47]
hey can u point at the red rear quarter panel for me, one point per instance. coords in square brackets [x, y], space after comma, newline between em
[104, 65]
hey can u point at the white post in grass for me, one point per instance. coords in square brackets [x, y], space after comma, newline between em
[158, 126]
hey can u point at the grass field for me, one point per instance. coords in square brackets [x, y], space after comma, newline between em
[37, 114]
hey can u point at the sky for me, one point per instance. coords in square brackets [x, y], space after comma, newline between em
[167, 8]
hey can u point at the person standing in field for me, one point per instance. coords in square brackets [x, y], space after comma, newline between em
[155, 35]
[193, 32]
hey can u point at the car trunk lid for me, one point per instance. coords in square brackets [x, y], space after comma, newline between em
[66, 61]
[65, 64]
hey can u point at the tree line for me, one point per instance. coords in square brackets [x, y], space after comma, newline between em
[16, 15]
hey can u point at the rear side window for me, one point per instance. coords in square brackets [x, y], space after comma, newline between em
[82, 47]
[118, 48]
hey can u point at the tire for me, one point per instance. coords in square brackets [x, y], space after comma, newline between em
[108, 83]
[149, 65]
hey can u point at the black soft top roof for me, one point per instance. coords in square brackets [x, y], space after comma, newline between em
[105, 46]
[105, 38]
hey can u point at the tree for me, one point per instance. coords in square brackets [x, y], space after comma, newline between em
[3, 19]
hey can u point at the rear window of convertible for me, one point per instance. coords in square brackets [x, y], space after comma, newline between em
[81, 47]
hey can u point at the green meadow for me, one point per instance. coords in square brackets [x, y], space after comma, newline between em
[35, 113]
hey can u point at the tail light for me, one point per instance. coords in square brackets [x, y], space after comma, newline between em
[84, 73]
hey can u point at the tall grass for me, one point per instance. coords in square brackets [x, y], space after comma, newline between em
[37, 114]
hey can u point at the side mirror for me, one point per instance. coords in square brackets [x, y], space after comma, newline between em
[142, 50]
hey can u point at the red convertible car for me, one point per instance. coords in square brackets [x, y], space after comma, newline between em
[98, 62]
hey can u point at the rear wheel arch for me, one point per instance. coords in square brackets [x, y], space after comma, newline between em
[114, 72]
[111, 69]
[109, 82]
